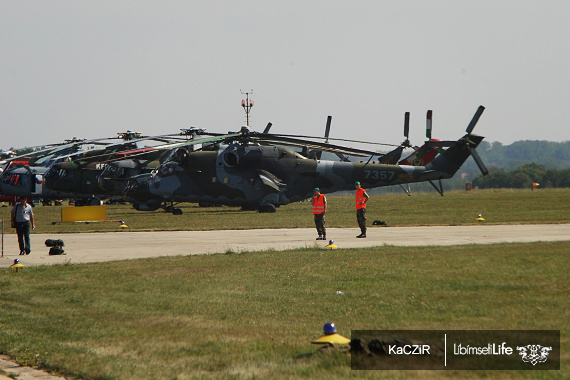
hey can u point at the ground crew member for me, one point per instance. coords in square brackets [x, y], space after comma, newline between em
[361, 199]
[319, 211]
[22, 218]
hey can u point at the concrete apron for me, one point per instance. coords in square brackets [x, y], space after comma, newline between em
[124, 245]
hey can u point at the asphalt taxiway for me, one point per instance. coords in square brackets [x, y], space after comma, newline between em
[124, 245]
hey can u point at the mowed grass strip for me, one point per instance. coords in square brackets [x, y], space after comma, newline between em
[455, 208]
[252, 315]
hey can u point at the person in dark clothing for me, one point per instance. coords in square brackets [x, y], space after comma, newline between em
[22, 218]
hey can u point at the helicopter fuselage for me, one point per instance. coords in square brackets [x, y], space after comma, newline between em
[250, 175]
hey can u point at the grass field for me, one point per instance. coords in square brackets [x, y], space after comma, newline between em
[455, 208]
[252, 315]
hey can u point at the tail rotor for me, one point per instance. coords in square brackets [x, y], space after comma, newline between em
[471, 145]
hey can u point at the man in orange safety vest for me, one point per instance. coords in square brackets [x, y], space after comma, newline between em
[319, 210]
[361, 199]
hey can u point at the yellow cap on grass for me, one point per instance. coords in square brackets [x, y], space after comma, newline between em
[331, 339]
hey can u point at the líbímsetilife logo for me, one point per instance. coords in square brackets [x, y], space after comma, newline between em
[534, 353]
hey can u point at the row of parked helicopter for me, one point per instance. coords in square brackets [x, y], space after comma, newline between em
[253, 170]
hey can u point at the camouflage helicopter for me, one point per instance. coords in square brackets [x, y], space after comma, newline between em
[261, 171]
[23, 175]
[102, 173]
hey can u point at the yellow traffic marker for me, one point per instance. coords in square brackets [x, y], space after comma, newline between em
[331, 245]
[331, 337]
[16, 265]
[480, 218]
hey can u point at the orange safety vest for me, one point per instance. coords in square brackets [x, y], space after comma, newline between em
[319, 204]
[360, 199]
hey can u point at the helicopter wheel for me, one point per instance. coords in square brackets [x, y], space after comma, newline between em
[168, 207]
[176, 211]
[267, 208]
[93, 202]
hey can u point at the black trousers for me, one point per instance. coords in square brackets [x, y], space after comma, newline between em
[361, 218]
[23, 231]
[320, 224]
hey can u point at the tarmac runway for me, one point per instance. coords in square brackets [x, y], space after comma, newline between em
[124, 245]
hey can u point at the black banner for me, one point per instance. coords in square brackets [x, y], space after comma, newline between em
[455, 350]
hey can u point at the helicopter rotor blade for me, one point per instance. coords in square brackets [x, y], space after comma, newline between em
[318, 154]
[475, 119]
[406, 143]
[335, 139]
[317, 146]
[478, 161]
[328, 128]
[267, 128]
[107, 156]
[407, 125]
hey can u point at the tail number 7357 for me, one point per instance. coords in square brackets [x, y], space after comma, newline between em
[379, 174]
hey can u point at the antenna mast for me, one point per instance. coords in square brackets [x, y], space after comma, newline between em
[247, 105]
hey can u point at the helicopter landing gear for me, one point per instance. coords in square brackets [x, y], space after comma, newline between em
[94, 202]
[169, 207]
[266, 208]
[88, 202]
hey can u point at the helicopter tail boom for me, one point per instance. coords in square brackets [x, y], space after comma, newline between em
[453, 158]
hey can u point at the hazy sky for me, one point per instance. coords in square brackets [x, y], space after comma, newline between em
[92, 68]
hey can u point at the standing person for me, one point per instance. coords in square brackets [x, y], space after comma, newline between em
[22, 218]
[361, 199]
[319, 211]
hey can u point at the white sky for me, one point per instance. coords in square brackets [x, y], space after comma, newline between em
[92, 68]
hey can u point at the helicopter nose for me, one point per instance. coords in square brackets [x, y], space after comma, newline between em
[138, 186]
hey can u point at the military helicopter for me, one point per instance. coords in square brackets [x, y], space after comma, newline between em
[5, 154]
[23, 175]
[102, 173]
[261, 171]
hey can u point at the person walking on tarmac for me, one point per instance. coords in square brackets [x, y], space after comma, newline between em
[361, 199]
[22, 218]
[319, 211]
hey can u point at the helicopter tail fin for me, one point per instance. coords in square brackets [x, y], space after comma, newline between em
[453, 158]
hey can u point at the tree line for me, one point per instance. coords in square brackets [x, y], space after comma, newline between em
[551, 155]
[523, 177]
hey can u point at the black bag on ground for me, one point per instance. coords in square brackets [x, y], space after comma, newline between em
[56, 251]
[54, 243]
